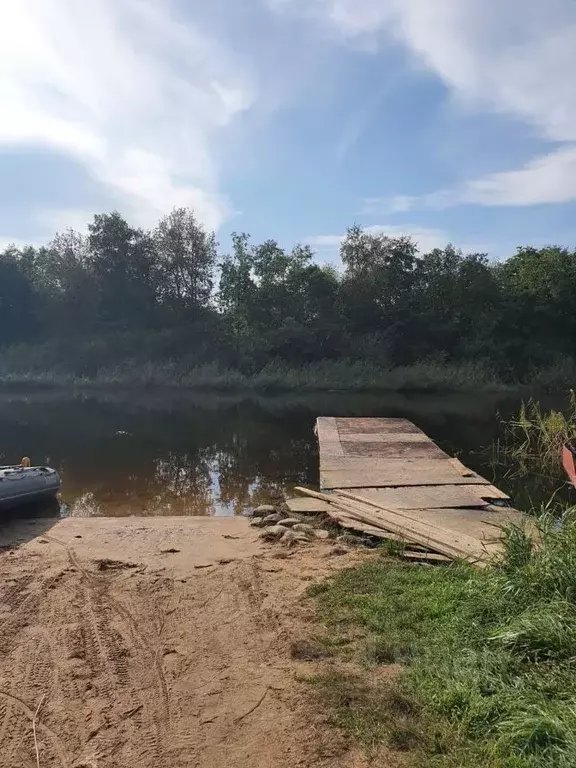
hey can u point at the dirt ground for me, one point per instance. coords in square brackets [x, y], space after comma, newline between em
[158, 642]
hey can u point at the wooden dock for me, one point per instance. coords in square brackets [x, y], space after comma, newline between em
[386, 477]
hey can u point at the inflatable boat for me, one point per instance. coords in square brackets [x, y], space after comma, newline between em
[27, 485]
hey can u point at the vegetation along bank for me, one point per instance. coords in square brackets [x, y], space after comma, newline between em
[454, 665]
[122, 305]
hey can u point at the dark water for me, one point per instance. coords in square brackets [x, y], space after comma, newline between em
[182, 454]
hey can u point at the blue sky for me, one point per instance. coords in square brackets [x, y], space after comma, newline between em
[452, 120]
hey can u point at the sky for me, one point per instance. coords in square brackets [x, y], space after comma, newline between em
[452, 121]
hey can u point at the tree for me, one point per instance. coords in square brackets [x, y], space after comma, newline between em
[539, 323]
[186, 261]
[17, 300]
[458, 305]
[378, 290]
[124, 263]
[66, 285]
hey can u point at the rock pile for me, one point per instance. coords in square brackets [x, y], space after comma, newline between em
[288, 530]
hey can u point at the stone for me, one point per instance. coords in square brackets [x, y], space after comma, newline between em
[272, 533]
[263, 510]
[288, 522]
[337, 551]
[272, 519]
[304, 528]
[292, 537]
[288, 538]
[257, 522]
[322, 534]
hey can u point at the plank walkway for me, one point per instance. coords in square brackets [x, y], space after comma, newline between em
[392, 465]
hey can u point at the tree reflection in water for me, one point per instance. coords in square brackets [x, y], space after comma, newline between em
[182, 454]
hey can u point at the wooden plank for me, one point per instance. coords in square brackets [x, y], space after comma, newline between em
[432, 537]
[422, 449]
[399, 473]
[307, 505]
[328, 436]
[375, 463]
[485, 525]
[482, 524]
[353, 524]
[385, 437]
[491, 492]
[370, 425]
[446, 542]
[461, 468]
[424, 496]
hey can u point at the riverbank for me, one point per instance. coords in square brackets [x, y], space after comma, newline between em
[343, 376]
[168, 642]
[456, 666]
[161, 643]
[328, 376]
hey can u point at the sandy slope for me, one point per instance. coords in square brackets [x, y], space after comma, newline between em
[146, 657]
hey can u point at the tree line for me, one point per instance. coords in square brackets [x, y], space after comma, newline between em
[120, 292]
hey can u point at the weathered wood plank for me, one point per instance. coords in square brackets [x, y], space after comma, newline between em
[450, 543]
[425, 496]
[307, 505]
[387, 464]
[422, 449]
[385, 437]
[483, 524]
[370, 425]
[396, 479]
[491, 492]
[328, 436]
[460, 468]
[310, 505]
[353, 524]
[391, 476]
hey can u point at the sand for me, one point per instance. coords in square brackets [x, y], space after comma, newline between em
[159, 642]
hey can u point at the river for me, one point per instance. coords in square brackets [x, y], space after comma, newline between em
[182, 453]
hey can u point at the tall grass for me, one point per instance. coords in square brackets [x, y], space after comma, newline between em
[344, 375]
[532, 440]
[489, 656]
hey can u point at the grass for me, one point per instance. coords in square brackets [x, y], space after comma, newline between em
[533, 439]
[344, 375]
[488, 656]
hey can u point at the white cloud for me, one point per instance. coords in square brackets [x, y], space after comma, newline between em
[134, 95]
[62, 219]
[547, 179]
[323, 242]
[384, 206]
[515, 57]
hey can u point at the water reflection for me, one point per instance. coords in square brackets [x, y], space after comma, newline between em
[181, 454]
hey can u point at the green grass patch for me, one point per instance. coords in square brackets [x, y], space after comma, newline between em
[488, 657]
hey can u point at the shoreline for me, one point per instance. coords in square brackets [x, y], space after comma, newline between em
[160, 643]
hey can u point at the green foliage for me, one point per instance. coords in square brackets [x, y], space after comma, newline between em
[488, 654]
[391, 309]
[533, 439]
